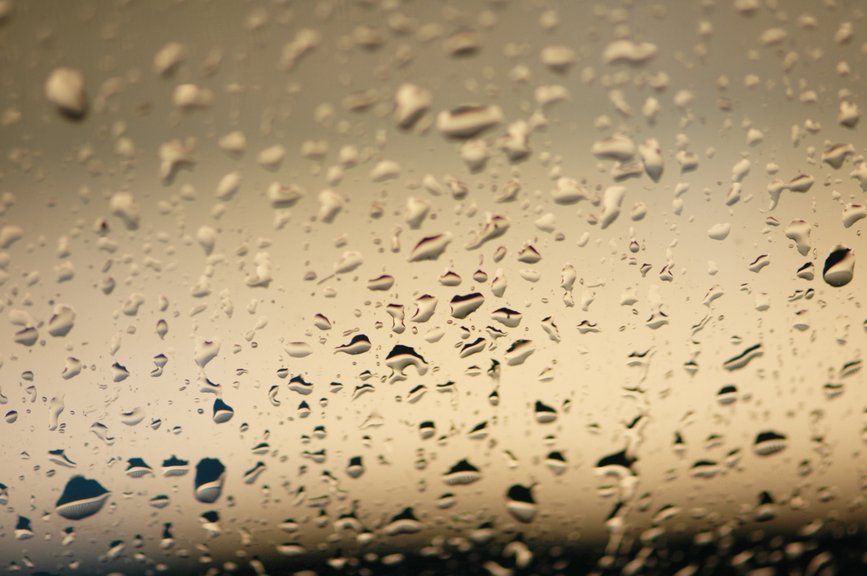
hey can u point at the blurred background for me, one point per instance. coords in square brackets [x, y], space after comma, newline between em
[390, 287]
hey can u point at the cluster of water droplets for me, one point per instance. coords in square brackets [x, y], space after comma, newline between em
[371, 282]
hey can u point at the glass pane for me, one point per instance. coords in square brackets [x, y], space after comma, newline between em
[460, 287]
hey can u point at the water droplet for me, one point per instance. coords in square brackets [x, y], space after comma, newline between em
[65, 89]
[469, 120]
[403, 523]
[462, 473]
[520, 503]
[839, 267]
[82, 497]
[358, 345]
[769, 442]
[464, 305]
[210, 475]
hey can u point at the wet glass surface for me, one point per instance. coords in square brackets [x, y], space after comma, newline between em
[402, 287]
